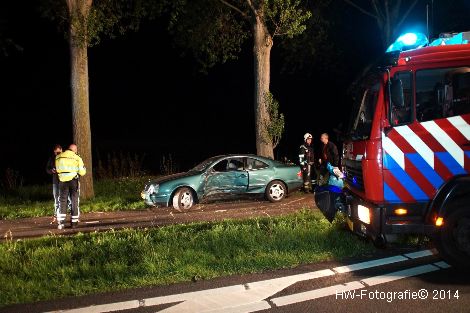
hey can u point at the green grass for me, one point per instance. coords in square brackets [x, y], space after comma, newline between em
[54, 267]
[110, 195]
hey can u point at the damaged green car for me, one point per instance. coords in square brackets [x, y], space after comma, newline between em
[219, 176]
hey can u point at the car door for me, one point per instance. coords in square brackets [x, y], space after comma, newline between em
[259, 174]
[227, 176]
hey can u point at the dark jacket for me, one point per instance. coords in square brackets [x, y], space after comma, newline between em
[330, 154]
[50, 166]
[306, 155]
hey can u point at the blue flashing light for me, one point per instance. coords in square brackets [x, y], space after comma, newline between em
[457, 39]
[354, 180]
[408, 41]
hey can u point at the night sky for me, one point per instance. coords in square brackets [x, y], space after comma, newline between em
[146, 98]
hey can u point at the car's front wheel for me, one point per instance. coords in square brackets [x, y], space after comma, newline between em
[276, 191]
[183, 199]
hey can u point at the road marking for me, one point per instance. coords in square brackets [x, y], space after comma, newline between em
[92, 222]
[339, 289]
[110, 307]
[369, 264]
[414, 271]
[317, 293]
[442, 264]
[419, 254]
[251, 297]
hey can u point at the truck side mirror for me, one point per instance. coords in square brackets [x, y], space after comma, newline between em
[396, 93]
[386, 127]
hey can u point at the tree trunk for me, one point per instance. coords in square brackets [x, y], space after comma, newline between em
[262, 53]
[80, 96]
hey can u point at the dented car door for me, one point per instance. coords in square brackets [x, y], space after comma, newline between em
[227, 176]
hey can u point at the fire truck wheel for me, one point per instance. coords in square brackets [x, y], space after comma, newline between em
[453, 240]
[380, 242]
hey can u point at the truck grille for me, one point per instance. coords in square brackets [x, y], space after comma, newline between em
[353, 173]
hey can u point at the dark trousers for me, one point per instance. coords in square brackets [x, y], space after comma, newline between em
[67, 188]
[306, 176]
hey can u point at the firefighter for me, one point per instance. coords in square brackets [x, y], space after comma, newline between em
[306, 158]
[69, 166]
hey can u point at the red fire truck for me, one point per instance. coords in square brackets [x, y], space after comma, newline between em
[407, 157]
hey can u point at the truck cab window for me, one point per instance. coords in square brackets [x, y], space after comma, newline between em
[442, 93]
[362, 124]
[401, 110]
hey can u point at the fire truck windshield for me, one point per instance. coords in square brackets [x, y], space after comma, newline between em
[362, 123]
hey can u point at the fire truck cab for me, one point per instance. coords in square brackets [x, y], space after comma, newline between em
[406, 160]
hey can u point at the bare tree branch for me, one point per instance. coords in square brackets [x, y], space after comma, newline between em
[410, 8]
[388, 23]
[252, 7]
[379, 13]
[360, 9]
[234, 8]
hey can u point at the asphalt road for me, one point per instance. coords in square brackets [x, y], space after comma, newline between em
[391, 281]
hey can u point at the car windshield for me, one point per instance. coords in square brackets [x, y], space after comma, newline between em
[204, 164]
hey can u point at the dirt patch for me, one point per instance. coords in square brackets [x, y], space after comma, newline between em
[154, 217]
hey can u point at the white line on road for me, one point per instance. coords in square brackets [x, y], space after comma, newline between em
[414, 271]
[317, 293]
[369, 264]
[419, 254]
[251, 297]
[339, 289]
[442, 264]
[110, 307]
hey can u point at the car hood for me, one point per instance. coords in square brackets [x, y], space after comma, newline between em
[168, 178]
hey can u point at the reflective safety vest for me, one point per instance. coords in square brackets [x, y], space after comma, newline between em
[69, 165]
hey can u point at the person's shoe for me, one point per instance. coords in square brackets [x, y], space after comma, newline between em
[60, 226]
[74, 224]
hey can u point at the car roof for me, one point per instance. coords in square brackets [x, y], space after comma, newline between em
[243, 156]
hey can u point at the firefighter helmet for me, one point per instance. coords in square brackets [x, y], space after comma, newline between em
[307, 136]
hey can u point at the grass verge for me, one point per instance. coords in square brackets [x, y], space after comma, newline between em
[55, 267]
[111, 195]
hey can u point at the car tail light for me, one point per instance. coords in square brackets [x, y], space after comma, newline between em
[299, 174]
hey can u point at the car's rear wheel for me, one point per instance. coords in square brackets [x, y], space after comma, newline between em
[276, 191]
[183, 199]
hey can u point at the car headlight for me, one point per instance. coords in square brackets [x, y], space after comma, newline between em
[152, 189]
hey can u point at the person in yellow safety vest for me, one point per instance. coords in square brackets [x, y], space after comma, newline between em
[69, 166]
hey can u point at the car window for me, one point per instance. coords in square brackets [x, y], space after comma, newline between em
[253, 164]
[205, 164]
[221, 166]
[236, 164]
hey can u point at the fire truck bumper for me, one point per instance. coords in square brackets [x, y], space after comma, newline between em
[370, 220]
